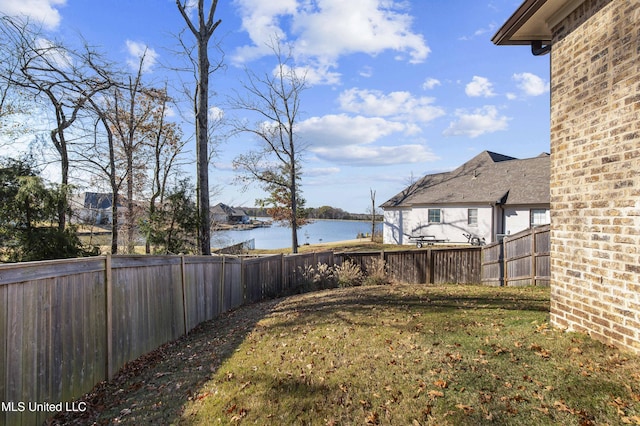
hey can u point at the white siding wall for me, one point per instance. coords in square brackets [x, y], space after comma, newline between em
[518, 218]
[394, 226]
[400, 224]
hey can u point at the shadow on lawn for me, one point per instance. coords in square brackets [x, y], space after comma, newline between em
[436, 297]
[363, 306]
[154, 388]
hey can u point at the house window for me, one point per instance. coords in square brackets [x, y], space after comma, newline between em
[472, 217]
[435, 216]
[539, 217]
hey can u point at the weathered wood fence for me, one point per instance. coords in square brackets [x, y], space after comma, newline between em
[431, 266]
[66, 325]
[518, 260]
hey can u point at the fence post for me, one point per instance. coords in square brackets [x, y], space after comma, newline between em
[533, 256]
[183, 274]
[109, 293]
[243, 279]
[221, 306]
[430, 267]
[505, 260]
[284, 277]
[282, 280]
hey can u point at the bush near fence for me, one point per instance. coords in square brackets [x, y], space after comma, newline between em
[66, 325]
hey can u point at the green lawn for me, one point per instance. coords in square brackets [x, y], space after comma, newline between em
[394, 355]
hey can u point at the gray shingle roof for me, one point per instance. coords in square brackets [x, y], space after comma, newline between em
[221, 208]
[487, 178]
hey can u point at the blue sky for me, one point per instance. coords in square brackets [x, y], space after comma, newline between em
[397, 89]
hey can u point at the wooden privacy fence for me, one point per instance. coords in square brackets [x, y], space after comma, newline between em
[66, 325]
[431, 266]
[518, 260]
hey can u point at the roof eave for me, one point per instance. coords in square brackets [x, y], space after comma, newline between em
[505, 34]
[533, 21]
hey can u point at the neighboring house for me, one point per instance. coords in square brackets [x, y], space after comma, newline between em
[221, 213]
[96, 208]
[488, 196]
[595, 159]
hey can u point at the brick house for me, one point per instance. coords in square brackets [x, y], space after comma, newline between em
[595, 159]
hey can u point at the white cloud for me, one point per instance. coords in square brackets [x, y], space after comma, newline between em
[53, 54]
[321, 171]
[480, 32]
[215, 113]
[261, 20]
[139, 50]
[531, 84]
[347, 140]
[42, 11]
[313, 75]
[430, 83]
[366, 72]
[377, 155]
[398, 105]
[325, 30]
[479, 87]
[478, 122]
[342, 130]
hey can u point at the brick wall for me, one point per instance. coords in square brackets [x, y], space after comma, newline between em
[595, 172]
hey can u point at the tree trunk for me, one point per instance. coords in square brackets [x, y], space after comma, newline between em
[203, 33]
[202, 109]
[114, 221]
[373, 213]
[57, 137]
[130, 212]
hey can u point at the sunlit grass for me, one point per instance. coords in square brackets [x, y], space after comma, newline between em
[418, 355]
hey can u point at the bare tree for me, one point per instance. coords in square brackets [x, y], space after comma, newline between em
[202, 31]
[60, 75]
[101, 155]
[166, 144]
[12, 103]
[275, 99]
[130, 109]
[373, 213]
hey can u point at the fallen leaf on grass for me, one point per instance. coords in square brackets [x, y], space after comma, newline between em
[540, 351]
[435, 394]
[441, 383]
[242, 413]
[466, 408]
[203, 396]
[635, 420]
[373, 419]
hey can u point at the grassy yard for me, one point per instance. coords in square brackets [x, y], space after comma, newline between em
[394, 355]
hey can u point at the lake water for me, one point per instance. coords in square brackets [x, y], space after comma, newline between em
[277, 236]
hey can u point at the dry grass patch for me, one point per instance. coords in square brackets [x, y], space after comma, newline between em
[393, 355]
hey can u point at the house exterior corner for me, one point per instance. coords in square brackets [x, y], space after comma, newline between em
[595, 161]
